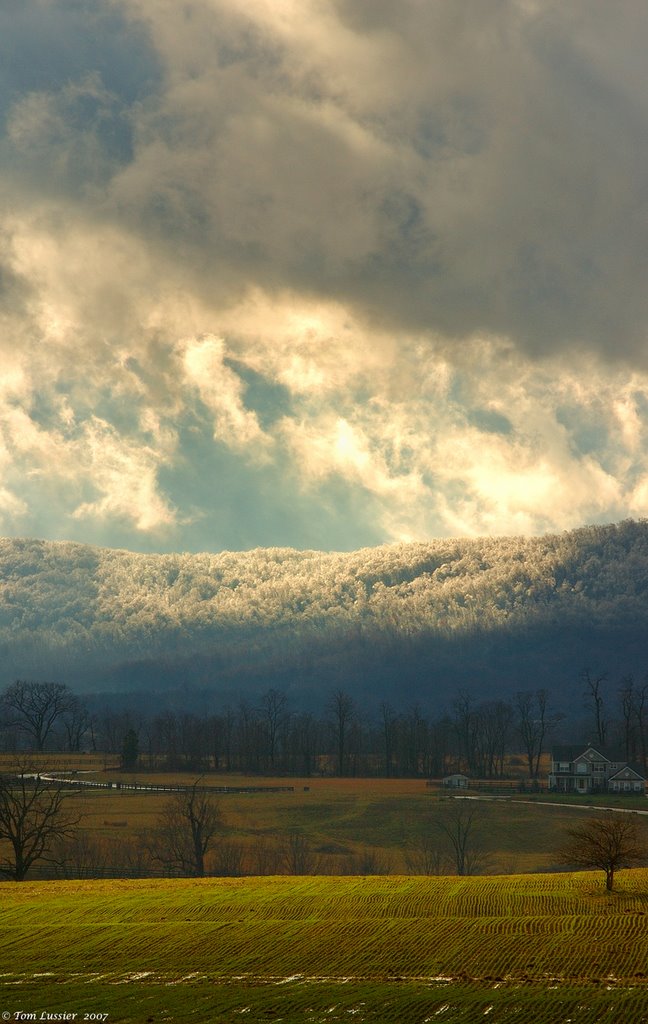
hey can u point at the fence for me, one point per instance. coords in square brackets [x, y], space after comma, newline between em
[60, 778]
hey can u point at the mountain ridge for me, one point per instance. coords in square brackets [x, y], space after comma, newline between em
[422, 617]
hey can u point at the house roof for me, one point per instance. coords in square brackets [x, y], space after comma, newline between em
[629, 771]
[572, 753]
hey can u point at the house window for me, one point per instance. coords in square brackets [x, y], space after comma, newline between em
[581, 768]
[563, 766]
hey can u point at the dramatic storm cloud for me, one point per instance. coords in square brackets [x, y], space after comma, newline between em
[321, 273]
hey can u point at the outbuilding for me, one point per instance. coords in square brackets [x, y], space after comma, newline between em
[456, 781]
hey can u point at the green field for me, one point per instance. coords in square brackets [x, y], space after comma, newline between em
[523, 948]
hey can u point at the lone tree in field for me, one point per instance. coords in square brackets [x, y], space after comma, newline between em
[185, 832]
[34, 820]
[35, 707]
[609, 842]
[458, 824]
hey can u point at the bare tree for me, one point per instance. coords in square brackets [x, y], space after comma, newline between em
[34, 819]
[466, 726]
[76, 723]
[128, 859]
[459, 824]
[439, 736]
[298, 857]
[81, 856]
[641, 714]
[609, 842]
[634, 712]
[342, 708]
[185, 832]
[112, 727]
[228, 859]
[34, 707]
[276, 716]
[388, 721]
[216, 727]
[627, 700]
[266, 857]
[248, 737]
[423, 856]
[367, 862]
[304, 733]
[413, 738]
[534, 721]
[595, 703]
[494, 726]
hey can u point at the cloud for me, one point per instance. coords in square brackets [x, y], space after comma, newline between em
[466, 170]
[220, 389]
[372, 272]
[523, 470]
[125, 477]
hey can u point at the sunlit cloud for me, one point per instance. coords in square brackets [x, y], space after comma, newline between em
[124, 475]
[366, 271]
[221, 391]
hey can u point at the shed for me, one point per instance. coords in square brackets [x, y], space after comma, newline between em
[456, 781]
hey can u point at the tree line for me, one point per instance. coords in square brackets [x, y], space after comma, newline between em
[269, 736]
[39, 824]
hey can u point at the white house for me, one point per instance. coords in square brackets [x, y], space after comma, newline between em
[587, 770]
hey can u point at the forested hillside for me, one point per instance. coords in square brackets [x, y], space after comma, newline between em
[491, 615]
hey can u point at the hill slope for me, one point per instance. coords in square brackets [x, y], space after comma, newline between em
[493, 613]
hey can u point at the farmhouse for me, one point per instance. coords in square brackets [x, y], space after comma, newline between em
[587, 770]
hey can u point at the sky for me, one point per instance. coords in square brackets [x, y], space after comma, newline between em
[321, 273]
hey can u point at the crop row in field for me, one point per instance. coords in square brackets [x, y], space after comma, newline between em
[523, 926]
[321, 1001]
[546, 948]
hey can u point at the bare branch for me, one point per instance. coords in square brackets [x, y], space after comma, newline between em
[609, 842]
[185, 832]
[35, 707]
[34, 818]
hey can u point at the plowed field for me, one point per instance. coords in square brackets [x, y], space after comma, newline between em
[540, 949]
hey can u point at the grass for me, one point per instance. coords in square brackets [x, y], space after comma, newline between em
[537, 948]
[349, 824]
[342, 817]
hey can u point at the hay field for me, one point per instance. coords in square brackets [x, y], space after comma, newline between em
[541, 949]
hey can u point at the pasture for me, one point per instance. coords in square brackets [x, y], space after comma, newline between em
[542, 949]
[349, 825]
